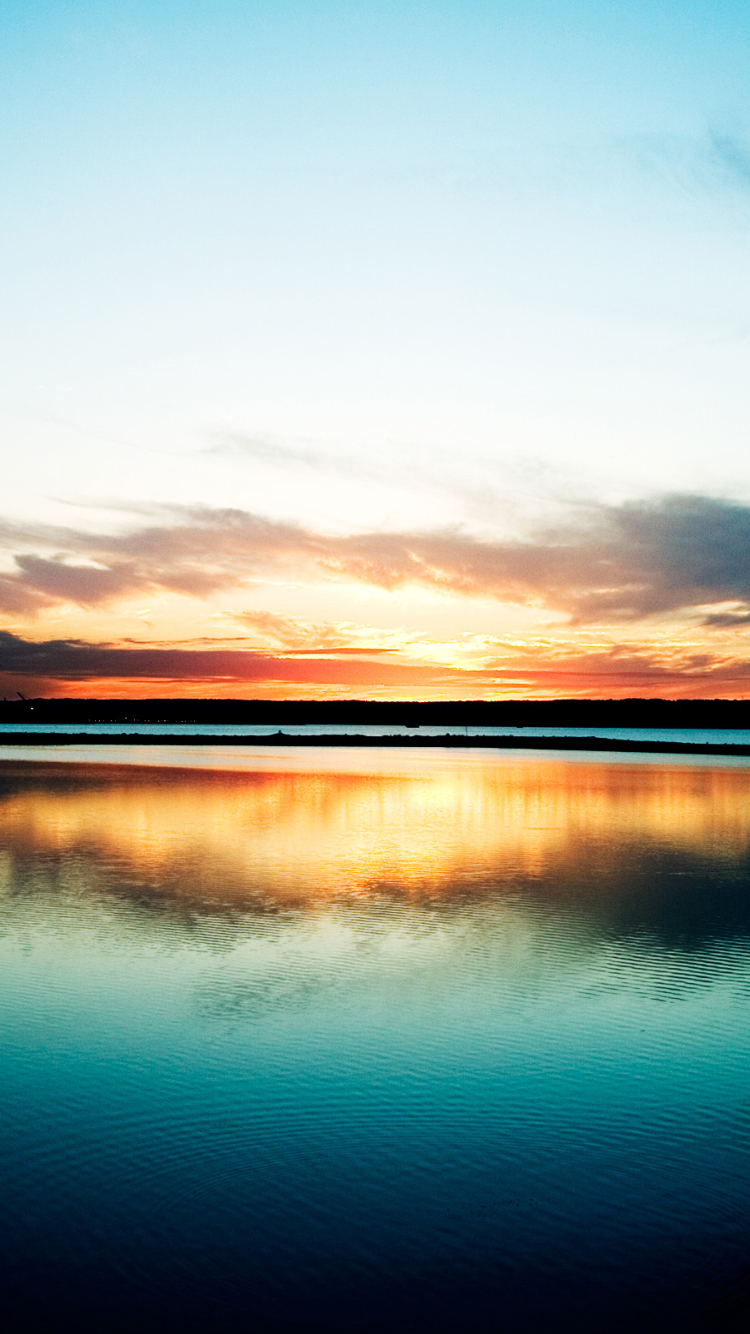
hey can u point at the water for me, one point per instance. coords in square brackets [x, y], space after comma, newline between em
[375, 1041]
[734, 736]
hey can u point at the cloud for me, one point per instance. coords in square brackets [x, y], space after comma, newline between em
[603, 564]
[50, 662]
[607, 563]
[727, 620]
[625, 667]
[304, 637]
[87, 585]
[732, 157]
[264, 449]
[65, 666]
[195, 552]
[435, 473]
[713, 165]
[18, 599]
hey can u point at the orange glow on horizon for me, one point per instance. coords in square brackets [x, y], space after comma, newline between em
[609, 688]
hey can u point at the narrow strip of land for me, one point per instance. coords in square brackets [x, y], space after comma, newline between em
[583, 714]
[60, 740]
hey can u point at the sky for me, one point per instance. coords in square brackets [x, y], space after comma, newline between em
[375, 350]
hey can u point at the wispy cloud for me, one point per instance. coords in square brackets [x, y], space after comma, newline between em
[716, 163]
[435, 473]
[268, 450]
[305, 637]
[731, 156]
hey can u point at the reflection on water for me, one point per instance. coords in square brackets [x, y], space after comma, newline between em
[436, 827]
[375, 1044]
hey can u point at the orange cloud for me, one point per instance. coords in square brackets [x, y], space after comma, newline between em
[65, 667]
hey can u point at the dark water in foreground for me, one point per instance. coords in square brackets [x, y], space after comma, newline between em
[449, 1045]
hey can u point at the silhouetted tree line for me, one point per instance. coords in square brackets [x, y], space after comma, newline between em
[714, 713]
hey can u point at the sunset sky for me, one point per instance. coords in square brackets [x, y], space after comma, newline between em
[375, 349]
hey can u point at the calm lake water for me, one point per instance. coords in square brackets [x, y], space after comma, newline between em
[733, 736]
[375, 1041]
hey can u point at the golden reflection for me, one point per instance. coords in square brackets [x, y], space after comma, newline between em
[292, 833]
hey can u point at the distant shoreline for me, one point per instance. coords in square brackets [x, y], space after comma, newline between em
[658, 714]
[418, 741]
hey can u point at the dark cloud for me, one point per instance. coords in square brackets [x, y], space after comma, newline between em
[57, 580]
[56, 660]
[727, 620]
[605, 564]
[677, 553]
[609, 563]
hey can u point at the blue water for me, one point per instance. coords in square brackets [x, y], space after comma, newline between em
[382, 1046]
[715, 735]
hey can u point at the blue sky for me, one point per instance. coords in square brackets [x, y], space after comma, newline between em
[368, 269]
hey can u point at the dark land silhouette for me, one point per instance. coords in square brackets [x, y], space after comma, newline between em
[715, 713]
[350, 739]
